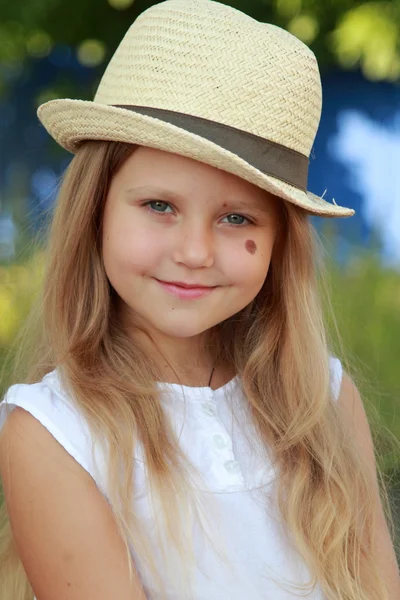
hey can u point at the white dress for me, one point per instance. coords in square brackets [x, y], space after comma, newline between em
[262, 562]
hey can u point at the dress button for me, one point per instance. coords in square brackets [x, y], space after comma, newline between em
[209, 409]
[220, 442]
[232, 466]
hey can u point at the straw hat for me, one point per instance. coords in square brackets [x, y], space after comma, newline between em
[203, 80]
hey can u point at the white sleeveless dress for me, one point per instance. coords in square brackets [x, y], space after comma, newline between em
[213, 431]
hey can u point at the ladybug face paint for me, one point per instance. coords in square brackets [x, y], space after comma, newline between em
[251, 247]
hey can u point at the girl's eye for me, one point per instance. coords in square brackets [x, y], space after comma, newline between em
[158, 206]
[161, 207]
[237, 219]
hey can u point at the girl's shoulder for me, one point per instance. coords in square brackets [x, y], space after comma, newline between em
[56, 411]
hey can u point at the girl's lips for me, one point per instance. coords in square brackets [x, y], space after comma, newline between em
[185, 293]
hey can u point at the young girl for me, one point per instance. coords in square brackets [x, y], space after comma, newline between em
[185, 430]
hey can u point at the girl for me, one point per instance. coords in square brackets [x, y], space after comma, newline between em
[185, 431]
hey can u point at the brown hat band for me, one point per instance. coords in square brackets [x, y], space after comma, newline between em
[268, 157]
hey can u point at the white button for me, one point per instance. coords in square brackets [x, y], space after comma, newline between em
[232, 466]
[209, 409]
[220, 441]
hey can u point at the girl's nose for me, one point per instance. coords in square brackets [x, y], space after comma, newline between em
[194, 246]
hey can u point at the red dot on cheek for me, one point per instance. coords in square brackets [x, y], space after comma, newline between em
[251, 246]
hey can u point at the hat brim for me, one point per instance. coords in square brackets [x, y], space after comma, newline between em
[70, 122]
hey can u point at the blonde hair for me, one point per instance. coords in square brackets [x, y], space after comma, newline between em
[324, 491]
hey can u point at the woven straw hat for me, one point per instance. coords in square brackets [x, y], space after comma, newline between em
[203, 80]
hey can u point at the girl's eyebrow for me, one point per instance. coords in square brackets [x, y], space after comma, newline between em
[256, 206]
[237, 204]
[152, 191]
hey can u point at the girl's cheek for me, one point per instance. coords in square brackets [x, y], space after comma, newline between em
[251, 246]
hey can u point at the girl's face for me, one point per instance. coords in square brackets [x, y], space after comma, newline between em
[170, 219]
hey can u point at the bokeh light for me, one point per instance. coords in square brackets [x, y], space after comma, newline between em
[91, 53]
[305, 27]
[120, 4]
[39, 44]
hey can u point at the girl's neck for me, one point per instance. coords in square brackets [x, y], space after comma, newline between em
[186, 361]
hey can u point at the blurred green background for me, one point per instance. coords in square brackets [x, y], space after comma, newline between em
[345, 35]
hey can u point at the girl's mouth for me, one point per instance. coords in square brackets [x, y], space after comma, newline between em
[185, 291]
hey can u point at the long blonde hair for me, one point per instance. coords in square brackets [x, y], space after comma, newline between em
[324, 491]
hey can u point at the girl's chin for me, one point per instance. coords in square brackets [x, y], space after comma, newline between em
[183, 330]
